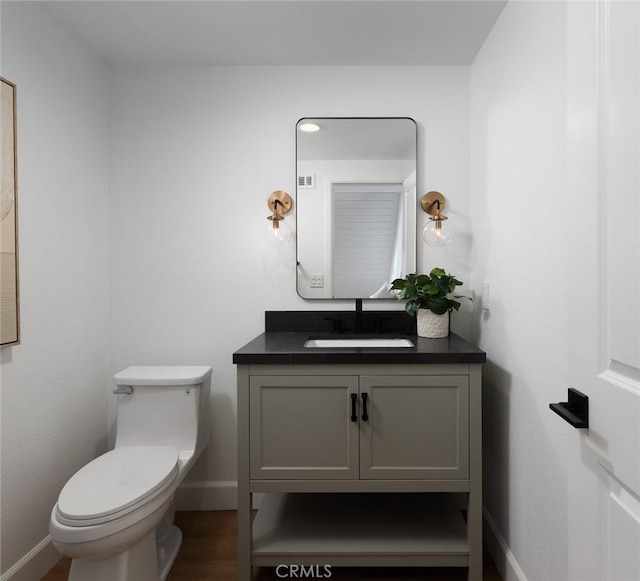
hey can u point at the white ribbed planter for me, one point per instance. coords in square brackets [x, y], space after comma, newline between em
[432, 326]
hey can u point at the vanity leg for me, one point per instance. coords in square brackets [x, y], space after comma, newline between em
[474, 508]
[244, 535]
[244, 494]
[474, 535]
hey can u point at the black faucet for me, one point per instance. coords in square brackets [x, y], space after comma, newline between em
[358, 324]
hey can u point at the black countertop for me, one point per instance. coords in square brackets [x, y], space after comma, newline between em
[287, 347]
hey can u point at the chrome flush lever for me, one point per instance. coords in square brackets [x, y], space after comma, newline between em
[123, 390]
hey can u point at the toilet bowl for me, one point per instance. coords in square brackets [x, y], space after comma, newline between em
[114, 517]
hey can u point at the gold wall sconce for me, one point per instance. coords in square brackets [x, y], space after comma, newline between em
[437, 232]
[280, 203]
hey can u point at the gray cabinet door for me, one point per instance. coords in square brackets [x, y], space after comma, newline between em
[418, 427]
[301, 428]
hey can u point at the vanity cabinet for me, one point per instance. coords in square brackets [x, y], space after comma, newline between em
[360, 464]
[359, 426]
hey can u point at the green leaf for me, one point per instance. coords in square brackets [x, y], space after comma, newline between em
[412, 308]
[439, 306]
[462, 297]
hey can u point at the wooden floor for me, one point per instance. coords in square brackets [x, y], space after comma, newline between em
[208, 552]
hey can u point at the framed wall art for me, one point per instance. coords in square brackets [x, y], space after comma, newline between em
[9, 296]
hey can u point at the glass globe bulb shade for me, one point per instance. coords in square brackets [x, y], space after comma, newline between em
[435, 234]
[278, 236]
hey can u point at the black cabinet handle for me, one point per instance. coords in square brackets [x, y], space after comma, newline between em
[575, 411]
[354, 399]
[365, 416]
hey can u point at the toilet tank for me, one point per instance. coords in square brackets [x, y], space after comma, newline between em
[169, 406]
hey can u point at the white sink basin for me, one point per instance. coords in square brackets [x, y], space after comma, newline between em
[358, 342]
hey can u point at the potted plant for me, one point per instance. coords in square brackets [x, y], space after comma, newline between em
[429, 299]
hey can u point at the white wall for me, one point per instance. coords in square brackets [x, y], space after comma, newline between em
[194, 154]
[53, 384]
[521, 224]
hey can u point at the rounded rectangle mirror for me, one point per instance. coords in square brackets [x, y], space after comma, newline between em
[355, 205]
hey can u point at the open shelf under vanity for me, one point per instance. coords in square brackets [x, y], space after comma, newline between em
[359, 529]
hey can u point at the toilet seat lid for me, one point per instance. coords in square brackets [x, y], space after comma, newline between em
[117, 480]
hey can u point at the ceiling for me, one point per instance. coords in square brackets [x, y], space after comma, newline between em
[280, 32]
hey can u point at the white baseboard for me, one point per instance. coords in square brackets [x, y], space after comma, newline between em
[35, 564]
[500, 553]
[207, 495]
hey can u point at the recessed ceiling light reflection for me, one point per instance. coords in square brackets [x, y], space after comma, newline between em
[310, 127]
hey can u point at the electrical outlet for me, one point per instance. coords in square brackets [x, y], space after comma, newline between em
[317, 280]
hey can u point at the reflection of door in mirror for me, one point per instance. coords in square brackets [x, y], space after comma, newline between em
[367, 243]
[356, 206]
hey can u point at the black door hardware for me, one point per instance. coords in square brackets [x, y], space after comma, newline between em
[575, 411]
[365, 416]
[354, 399]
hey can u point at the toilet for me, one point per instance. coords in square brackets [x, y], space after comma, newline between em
[114, 517]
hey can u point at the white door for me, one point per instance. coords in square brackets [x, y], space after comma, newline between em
[603, 158]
